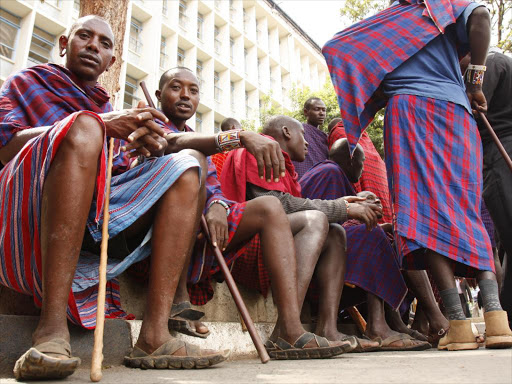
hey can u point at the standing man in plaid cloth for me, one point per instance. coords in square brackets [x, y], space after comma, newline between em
[433, 150]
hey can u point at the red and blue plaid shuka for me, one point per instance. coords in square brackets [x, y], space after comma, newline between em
[372, 264]
[360, 56]
[433, 150]
[246, 261]
[48, 96]
[374, 176]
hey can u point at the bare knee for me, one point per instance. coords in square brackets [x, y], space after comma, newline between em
[315, 221]
[201, 158]
[269, 208]
[189, 182]
[337, 235]
[85, 137]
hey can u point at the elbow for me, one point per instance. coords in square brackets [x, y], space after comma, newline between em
[480, 16]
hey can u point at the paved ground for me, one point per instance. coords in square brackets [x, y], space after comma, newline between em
[482, 367]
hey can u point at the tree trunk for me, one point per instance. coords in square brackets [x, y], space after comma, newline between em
[115, 12]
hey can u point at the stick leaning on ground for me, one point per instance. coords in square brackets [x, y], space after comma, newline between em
[97, 352]
[262, 352]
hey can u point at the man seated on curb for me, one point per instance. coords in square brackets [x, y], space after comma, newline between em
[239, 182]
[237, 229]
[371, 261]
[54, 121]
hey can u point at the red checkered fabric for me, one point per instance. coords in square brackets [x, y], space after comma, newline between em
[374, 176]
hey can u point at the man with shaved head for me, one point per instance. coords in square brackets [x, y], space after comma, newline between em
[54, 123]
[319, 239]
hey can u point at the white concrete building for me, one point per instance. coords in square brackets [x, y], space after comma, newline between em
[241, 50]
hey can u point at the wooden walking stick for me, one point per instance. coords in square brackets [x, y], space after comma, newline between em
[262, 352]
[97, 352]
[497, 141]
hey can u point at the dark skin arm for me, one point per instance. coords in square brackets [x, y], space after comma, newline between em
[134, 125]
[267, 152]
[479, 32]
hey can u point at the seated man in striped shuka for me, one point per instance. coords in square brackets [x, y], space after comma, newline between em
[406, 58]
[254, 236]
[240, 182]
[372, 264]
[54, 121]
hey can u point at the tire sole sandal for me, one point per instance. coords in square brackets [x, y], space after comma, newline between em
[183, 326]
[163, 357]
[498, 342]
[287, 351]
[458, 347]
[35, 364]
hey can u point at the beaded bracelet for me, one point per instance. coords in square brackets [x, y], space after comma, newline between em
[224, 204]
[475, 74]
[228, 140]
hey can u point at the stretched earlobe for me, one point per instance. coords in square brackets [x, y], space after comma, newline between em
[63, 52]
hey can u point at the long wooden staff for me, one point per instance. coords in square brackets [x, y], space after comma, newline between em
[262, 352]
[497, 141]
[97, 352]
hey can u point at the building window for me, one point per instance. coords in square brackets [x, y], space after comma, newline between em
[246, 22]
[217, 42]
[41, 47]
[181, 58]
[199, 122]
[55, 3]
[9, 27]
[76, 5]
[164, 7]
[232, 94]
[130, 90]
[232, 50]
[246, 61]
[183, 14]
[200, 26]
[199, 74]
[217, 91]
[232, 10]
[217, 5]
[135, 36]
[216, 127]
[247, 108]
[163, 55]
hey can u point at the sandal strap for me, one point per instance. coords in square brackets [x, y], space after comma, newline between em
[56, 347]
[176, 309]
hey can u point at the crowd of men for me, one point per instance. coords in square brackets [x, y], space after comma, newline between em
[316, 217]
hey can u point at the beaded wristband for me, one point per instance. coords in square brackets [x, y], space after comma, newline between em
[224, 204]
[228, 140]
[475, 74]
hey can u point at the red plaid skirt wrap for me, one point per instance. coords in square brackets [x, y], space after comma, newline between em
[434, 162]
[21, 185]
[246, 264]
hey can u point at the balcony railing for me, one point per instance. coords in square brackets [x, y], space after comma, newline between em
[217, 93]
[135, 45]
[164, 59]
[217, 46]
[183, 20]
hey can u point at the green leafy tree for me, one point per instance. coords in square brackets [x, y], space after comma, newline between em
[355, 10]
[501, 22]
